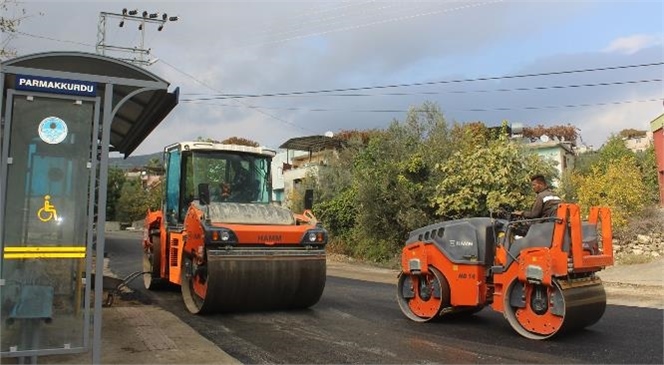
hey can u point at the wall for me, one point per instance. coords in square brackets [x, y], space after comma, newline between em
[555, 151]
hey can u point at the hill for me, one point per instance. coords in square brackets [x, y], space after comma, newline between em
[134, 161]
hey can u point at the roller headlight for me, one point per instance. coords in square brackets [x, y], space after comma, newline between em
[219, 235]
[225, 236]
[315, 236]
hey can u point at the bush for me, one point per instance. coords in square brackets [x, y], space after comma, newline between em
[619, 186]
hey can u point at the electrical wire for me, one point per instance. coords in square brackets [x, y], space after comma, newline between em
[535, 88]
[369, 24]
[52, 39]
[238, 101]
[440, 82]
[458, 110]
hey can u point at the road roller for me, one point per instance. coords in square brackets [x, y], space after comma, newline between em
[544, 283]
[220, 237]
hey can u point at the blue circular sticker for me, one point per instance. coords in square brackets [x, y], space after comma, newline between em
[52, 130]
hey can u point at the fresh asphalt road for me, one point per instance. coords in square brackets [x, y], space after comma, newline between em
[360, 322]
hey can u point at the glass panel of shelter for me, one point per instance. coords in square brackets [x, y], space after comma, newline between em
[46, 220]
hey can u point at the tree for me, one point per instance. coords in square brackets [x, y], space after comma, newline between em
[231, 140]
[567, 132]
[488, 177]
[116, 180]
[394, 181]
[133, 203]
[632, 133]
[241, 141]
[9, 25]
[647, 162]
[155, 166]
[619, 185]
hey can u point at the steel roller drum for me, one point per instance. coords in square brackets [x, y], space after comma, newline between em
[572, 306]
[256, 279]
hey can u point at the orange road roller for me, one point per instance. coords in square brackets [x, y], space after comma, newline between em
[220, 238]
[544, 283]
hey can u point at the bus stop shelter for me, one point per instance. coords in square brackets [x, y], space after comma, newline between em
[62, 112]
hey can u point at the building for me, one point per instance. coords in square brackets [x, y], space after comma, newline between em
[560, 152]
[657, 130]
[283, 170]
[300, 157]
[639, 143]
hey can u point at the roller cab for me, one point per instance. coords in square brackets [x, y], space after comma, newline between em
[219, 237]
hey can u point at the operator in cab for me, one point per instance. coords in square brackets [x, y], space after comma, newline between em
[546, 201]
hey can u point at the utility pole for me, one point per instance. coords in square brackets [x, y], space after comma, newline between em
[141, 54]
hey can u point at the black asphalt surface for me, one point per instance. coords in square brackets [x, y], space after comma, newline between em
[360, 322]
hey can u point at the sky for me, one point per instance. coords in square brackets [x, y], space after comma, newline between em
[597, 65]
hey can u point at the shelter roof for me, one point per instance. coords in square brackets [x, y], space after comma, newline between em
[140, 99]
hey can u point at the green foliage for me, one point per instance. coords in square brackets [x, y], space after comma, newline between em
[647, 162]
[585, 161]
[155, 166]
[394, 181]
[240, 141]
[338, 213]
[568, 189]
[567, 132]
[619, 185]
[116, 180]
[133, 203]
[613, 150]
[156, 195]
[632, 133]
[489, 176]
[231, 140]
[617, 177]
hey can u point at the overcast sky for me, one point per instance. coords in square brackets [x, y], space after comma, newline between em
[267, 47]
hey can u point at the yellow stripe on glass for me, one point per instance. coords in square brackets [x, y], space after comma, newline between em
[44, 252]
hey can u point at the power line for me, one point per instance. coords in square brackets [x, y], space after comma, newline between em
[52, 39]
[238, 101]
[353, 27]
[317, 21]
[440, 82]
[458, 110]
[534, 88]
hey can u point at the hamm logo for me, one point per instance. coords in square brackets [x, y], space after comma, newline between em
[269, 238]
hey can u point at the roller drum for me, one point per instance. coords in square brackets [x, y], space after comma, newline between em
[539, 312]
[254, 280]
[584, 306]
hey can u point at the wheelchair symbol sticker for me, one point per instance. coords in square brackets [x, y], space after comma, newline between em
[48, 211]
